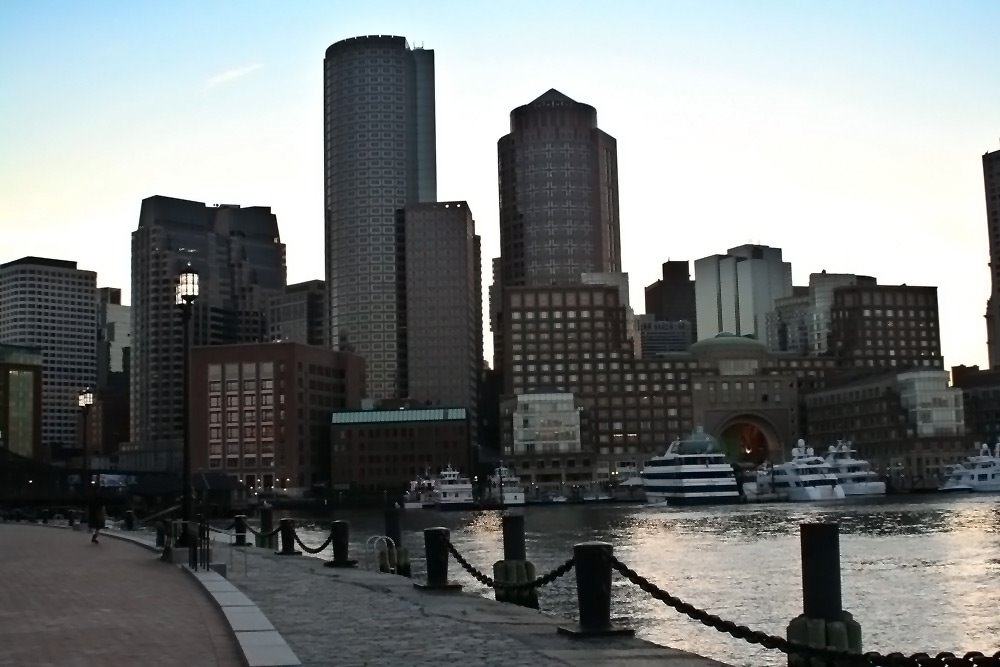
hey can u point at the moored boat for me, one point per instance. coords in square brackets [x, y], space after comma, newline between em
[979, 473]
[855, 476]
[693, 471]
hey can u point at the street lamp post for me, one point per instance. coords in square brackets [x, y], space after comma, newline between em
[187, 292]
[85, 400]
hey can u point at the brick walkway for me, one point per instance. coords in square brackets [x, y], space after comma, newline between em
[66, 602]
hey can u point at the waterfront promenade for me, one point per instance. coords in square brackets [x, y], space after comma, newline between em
[67, 602]
[356, 618]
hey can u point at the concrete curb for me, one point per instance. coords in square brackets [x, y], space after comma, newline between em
[260, 644]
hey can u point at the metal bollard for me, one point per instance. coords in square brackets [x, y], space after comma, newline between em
[436, 551]
[266, 526]
[71, 517]
[161, 535]
[241, 529]
[593, 592]
[341, 544]
[513, 537]
[129, 520]
[287, 530]
[823, 621]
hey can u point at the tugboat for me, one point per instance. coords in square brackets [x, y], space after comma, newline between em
[693, 471]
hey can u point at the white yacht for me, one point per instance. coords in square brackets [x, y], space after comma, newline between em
[854, 475]
[806, 477]
[693, 471]
[977, 473]
[503, 480]
[452, 491]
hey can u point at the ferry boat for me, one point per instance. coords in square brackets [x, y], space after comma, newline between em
[421, 494]
[805, 478]
[452, 491]
[693, 471]
[855, 476]
[505, 481]
[977, 473]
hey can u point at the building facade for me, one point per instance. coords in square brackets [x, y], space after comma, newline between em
[379, 156]
[991, 185]
[981, 401]
[52, 305]
[444, 305]
[885, 326]
[299, 314]
[661, 337]
[801, 323]
[384, 449]
[672, 297]
[558, 194]
[260, 413]
[909, 425]
[735, 292]
[240, 261]
[21, 370]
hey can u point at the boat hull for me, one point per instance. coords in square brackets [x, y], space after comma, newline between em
[802, 494]
[686, 500]
[455, 507]
[863, 488]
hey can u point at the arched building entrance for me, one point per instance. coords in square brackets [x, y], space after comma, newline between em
[749, 438]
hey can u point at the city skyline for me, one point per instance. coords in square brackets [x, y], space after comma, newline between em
[849, 136]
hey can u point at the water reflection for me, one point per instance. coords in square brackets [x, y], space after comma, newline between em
[918, 573]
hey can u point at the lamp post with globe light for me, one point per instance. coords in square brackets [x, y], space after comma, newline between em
[85, 400]
[187, 293]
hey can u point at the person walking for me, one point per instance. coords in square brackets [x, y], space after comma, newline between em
[98, 523]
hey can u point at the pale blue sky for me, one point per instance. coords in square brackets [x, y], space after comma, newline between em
[784, 123]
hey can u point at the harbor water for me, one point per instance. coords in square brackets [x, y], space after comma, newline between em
[920, 573]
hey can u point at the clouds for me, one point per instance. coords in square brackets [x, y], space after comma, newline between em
[231, 75]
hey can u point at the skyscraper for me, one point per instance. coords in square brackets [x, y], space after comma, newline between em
[991, 182]
[52, 305]
[240, 261]
[558, 194]
[379, 156]
[444, 304]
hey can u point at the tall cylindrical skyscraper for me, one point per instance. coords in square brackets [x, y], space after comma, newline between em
[379, 155]
[558, 194]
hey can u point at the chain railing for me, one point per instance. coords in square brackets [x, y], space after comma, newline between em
[313, 550]
[868, 659]
[486, 580]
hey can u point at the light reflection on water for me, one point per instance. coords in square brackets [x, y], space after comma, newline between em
[919, 574]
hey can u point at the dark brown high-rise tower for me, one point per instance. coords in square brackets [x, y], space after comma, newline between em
[991, 182]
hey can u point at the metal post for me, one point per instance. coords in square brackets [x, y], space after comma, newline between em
[821, 570]
[161, 534]
[513, 537]
[186, 458]
[436, 552]
[593, 592]
[266, 526]
[241, 529]
[287, 529]
[392, 528]
[129, 520]
[341, 544]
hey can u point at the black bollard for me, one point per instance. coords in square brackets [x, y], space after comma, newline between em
[287, 530]
[240, 522]
[161, 534]
[392, 529]
[129, 520]
[71, 517]
[823, 621]
[266, 526]
[593, 592]
[341, 544]
[436, 552]
[821, 570]
[513, 537]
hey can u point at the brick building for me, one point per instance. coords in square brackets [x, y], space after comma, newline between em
[260, 412]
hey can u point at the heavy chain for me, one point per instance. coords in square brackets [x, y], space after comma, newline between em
[872, 658]
[488, 581]
[260, 534]
[311, 550]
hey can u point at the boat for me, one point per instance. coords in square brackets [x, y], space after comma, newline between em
[978, 473]
[508, 484]
[420, 495]
[855, 476]
[452, 491]
[693, 471]
[806, 478]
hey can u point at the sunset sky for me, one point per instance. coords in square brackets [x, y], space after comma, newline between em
[849, 134]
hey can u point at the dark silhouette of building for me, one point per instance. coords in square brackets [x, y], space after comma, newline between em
[379, 156]
[671, 298]
[240, 262]
[981, 400]
[991, 183]
[21, 401]
[299, 315]
[558, 194]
